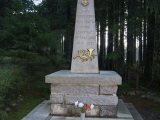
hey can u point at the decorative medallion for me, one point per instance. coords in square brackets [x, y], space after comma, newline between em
[85, 55]
[85, 2]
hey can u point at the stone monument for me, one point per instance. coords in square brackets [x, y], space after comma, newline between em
[84, 82]
[85, 59]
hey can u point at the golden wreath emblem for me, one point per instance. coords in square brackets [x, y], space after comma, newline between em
[85, 55]
[85, 2]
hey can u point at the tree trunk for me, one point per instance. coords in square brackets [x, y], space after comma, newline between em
[102, 55]
[110, 34]
[122, 20]
[150, 46]
[140, 39]
[155, 83]
[144, 35]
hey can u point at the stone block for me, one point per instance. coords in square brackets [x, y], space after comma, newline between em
[75, 89]
[108, 111]
[71, 110]
[92, 99]
[57, 99]
[108, 90]
[66, 77]
[94, 112]
[67, 110]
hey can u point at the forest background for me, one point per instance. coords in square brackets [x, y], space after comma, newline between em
[36, 40]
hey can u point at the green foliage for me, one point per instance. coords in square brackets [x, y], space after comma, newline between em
[11, 81]
[27, 37]
[25, 107]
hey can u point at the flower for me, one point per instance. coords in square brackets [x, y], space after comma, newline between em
[80, 105]
[76, 103]
[88, 107]
[84, 107]
[92, 106]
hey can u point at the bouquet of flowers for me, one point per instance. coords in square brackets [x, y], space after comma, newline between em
[84, 107]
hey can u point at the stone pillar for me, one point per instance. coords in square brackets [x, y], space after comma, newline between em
[85, 56]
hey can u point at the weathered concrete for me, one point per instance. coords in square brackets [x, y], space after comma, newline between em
[108, 90]
[94, 112]
[76, 118]
[123, 113]
[85, 39]
[71, 110]
[110, 111]
[86, 99]
[66, 77]
[74, 89]
[57, 98]
[92, 99]
[133, 111]
[66, 110]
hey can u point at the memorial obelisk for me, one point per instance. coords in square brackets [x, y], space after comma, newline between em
[84, 82]
[85, 56]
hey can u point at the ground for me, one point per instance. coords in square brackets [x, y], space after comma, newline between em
[148, 109]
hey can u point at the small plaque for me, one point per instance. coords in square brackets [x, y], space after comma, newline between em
[85, 2]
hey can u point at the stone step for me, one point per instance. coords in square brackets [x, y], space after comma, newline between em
[134, 112]
[123, 111]
[76, 118]
[41, 112]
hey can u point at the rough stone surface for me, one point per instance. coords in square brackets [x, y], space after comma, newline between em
[123, 113]
[92, 99]
[66, 77]
[84, 39]
[110, 111]
[71, 110]
[67, 110]
[77, 118]
[94, 112]
[75, 89]
[57, 98]
[106, 90]
[133, 111]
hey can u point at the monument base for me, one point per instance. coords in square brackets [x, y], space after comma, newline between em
[126, 111]
[97, 89]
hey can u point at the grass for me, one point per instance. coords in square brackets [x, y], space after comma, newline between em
[28, 104]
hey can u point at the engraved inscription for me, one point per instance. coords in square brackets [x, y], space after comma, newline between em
[90, 43]
[85, 16]
[85, 37]
[85, 55]
[83, 32]
[85, 27]
[85, 21]
[83, 11]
